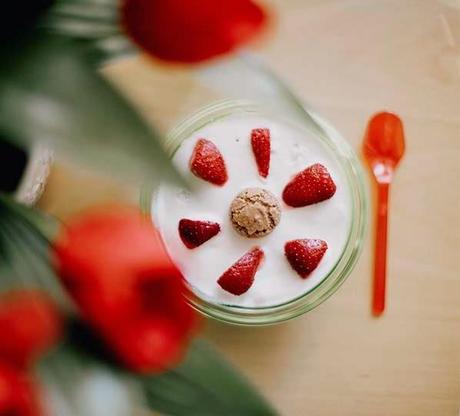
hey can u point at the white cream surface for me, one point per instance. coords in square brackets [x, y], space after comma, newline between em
[293, 150]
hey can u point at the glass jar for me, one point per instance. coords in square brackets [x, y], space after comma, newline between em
[351, 170]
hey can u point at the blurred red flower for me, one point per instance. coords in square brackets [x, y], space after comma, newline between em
[191, 30]
[29, 325]
[115, 266]
[18, 393]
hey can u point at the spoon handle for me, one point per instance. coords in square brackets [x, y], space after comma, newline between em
[380, 260]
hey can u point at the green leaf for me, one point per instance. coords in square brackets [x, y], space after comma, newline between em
[45, 226]
[25, 257]
[95, 24]
[204, 385]
[84, 19]
[50, 91]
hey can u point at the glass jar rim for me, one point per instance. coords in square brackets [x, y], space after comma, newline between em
[351, 167]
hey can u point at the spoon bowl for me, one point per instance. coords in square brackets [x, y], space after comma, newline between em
[384, 141]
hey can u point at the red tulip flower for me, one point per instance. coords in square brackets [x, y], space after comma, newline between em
[191, 31]
[115, 266]
[29, 325]
[148, 345]
[18, 393]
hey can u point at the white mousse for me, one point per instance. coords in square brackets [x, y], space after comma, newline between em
[292, 150]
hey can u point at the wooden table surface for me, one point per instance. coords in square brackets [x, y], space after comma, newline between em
[349, 59]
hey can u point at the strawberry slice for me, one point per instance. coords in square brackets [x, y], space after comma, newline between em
[310, 186]
[207, 162]
[194, 233]
[305, 255]
[240, 276]
[260, 141]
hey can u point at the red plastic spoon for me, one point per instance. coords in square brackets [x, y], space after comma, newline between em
[383, 148]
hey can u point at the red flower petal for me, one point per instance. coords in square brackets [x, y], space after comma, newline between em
[115, 266]
[162, 296]
[147, 346]
[18, 393]
[100, 256]
[29, 325]
[191, 30]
